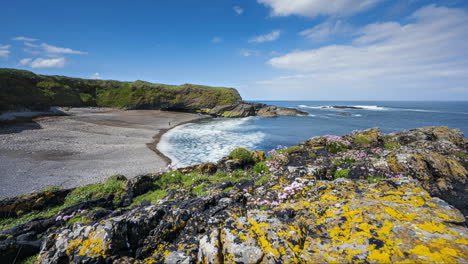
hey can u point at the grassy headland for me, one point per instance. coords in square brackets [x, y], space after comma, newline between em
[20, 89]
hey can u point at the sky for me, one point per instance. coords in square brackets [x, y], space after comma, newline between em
[267, 49]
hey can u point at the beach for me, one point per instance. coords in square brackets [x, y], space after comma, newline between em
[85, 147]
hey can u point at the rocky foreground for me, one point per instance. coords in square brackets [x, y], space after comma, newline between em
[366, 197]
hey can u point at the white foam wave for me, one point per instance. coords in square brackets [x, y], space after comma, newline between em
[208, 141]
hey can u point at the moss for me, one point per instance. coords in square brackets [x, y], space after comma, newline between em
[50, 188]
[312, 155]
[263, 179]
[336, 147]
[362, 140]
[341, 174]
[391, 145]
[292, 150]
[459, 154]
[29, 260]
[374, 178]
[241, 154]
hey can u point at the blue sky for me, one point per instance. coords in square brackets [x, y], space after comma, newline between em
[267, 49]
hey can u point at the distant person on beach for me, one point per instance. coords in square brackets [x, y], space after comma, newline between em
[169, 123]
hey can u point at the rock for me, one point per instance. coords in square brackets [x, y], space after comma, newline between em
[344, 114]
[258, 156]
[245, 109]
[342, 107]
[138, 185]
[236, 110]
[11, 250]
[13, 207]
[207, 168]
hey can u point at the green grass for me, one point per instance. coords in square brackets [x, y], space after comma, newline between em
[372, 179]
[95, 191]
[263, 179]
[391, 145]
[29, 260]
[291, 150]
[260, 168]
[152, 196]
[459, 154]
[341, 174]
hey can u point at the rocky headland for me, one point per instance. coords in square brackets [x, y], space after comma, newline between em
[366, 197]
[24, 91]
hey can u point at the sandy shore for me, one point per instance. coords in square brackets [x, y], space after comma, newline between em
[86, 147]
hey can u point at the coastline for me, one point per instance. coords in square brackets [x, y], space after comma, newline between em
[153, 145]
[84, 147]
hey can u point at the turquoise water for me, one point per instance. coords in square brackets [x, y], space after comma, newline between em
[209, 140]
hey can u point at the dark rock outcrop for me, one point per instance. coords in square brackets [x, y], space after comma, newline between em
[245, 109]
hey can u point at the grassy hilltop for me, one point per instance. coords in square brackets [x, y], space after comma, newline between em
[21, 89]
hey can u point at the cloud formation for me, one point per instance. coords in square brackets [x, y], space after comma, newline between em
[43, 63]
[50, 50]
[427, 54]
[239, 10]
[313, 8]
[24, 39]
[4, 50]
[326, 30]
[272, 36]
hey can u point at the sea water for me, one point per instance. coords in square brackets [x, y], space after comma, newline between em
[209, 140]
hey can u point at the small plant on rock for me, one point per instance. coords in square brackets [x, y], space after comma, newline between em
[241, 154]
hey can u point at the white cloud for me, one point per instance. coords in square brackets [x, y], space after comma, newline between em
[272, 36]
[24, 62]
[326, 30]
[312, 8]
[58, 50]
[49, 50]
[4, 50]
[45, 63]
[24, 39]
[393, 59]
[239, 10]
[216, 40]
[4, 53]
[31, 45]
[96, 76]
[249, 52]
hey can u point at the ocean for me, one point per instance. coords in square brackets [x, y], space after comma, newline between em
[209, 140]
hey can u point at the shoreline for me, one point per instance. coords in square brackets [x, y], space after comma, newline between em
[153, 146]
[84, 147]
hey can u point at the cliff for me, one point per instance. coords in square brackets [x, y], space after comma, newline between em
[24, 90]
[366, 197]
